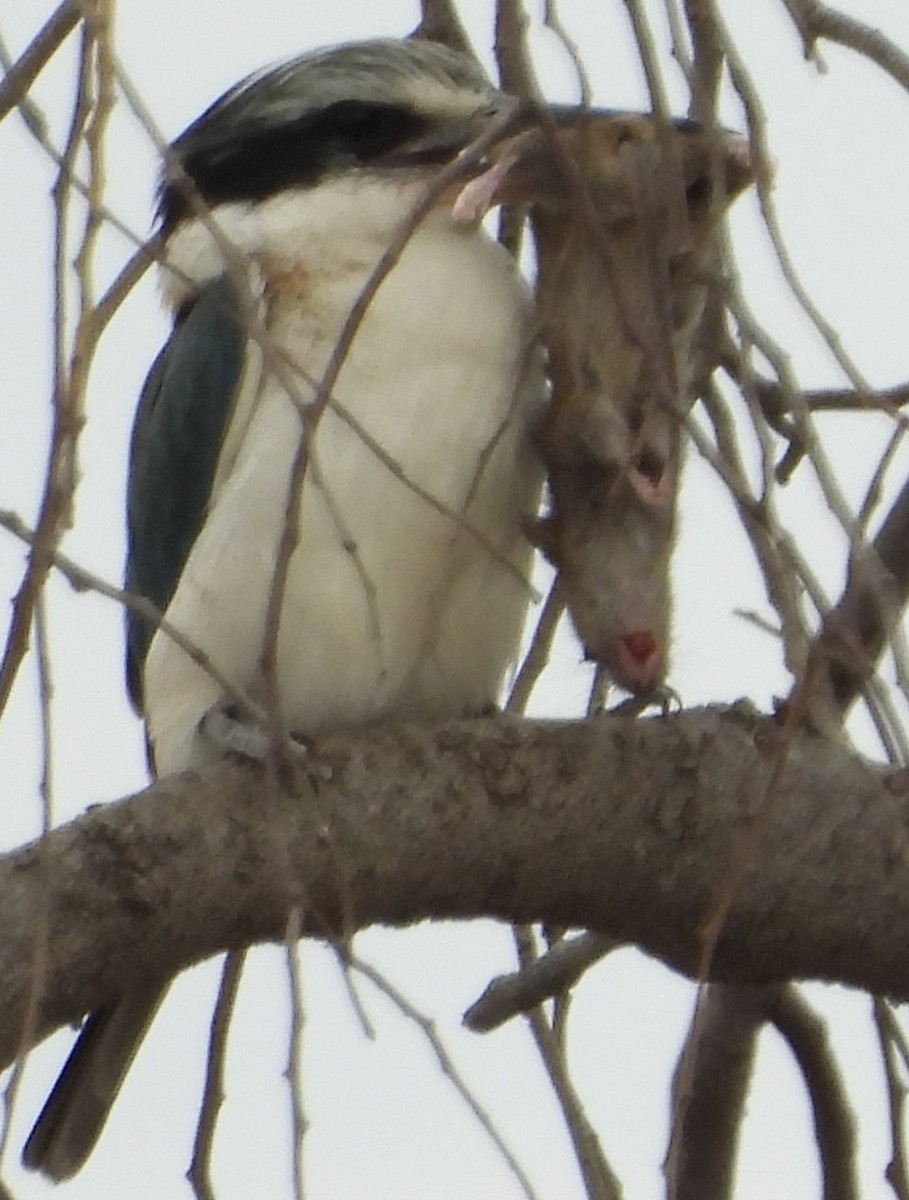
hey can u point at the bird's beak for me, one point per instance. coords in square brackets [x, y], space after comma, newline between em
[448, 140]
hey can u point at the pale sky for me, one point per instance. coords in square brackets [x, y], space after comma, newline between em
[385, 1125]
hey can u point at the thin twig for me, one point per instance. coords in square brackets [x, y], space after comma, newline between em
[86, 581]
[773, 399]
[294, 1070]
[440, 23]
[290, 532]
[510, 45]
[856, 630]
[213, 1093]
[42, 925]
[759, 522]
[815, 21]
[552, 20]
[539, 650]
[547, 976]
[705, 70]
[647, 52]
[45, 44]
[897, 1169]
[342, 958]
[449, 1070]
[60, 473]
[826, 477]
[600, 1181]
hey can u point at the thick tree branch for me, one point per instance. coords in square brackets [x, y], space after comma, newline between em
[834, 1124]
[630, 828]
[709, 1093]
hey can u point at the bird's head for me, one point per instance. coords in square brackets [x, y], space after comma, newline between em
[379, 107]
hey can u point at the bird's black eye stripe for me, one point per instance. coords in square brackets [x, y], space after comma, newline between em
[253, 162]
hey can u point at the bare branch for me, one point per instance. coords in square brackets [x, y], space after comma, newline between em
[526, 821]
[897, 1174]
[448, 1068]
[542, 979]
[647, 52]
[294, 1068]
[775, 405]
[199, 1173]
[539, 650]
[453, 171]
[515, 68]
[815, 21]
[552, 20]
[91, 108]
[834, 1126]
[856, 631]
[783, 577]
[709, 1092]
[440, 23]
[83, 580]
[600, 1181]
[40, 51]
[706, 67]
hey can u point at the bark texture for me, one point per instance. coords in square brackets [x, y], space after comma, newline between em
[639, 829]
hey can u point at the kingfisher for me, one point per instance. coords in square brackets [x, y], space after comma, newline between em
[405, 479]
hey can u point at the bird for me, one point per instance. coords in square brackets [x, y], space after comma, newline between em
[402, 593]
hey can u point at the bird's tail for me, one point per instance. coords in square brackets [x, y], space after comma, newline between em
[76, 1110]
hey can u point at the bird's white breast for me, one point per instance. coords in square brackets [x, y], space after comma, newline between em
[392, 607]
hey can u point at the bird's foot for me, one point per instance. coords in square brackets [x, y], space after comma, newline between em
[225, 732]
[663, 697]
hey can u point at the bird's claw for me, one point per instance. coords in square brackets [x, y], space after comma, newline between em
[226, 732]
